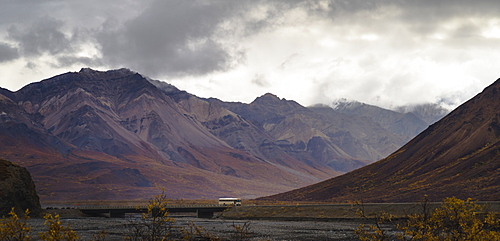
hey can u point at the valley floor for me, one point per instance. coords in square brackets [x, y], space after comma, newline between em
[118, 228]
[256, 222]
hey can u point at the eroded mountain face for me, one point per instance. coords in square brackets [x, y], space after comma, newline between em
[113, 134]
[119, 135]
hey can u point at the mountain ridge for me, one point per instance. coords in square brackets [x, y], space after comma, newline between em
[80, 132]
[456, 156]
[418, 117]
[116, 125]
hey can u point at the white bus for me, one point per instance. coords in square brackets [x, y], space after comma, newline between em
[230, 201]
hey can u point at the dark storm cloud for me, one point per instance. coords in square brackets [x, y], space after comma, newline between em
[173, 37]
[44, 36]
[7, 53]
[261, 43]
[431, 10]
[427, 16]
[47, 36]
[421, 10]
[20, 11]
[178, 37]
[422, 16]
[69, 60]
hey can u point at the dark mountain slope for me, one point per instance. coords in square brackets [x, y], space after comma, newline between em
[457, 156]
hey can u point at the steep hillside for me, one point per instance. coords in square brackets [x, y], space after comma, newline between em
[457, 156]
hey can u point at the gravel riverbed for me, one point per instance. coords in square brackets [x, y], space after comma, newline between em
[118, 228]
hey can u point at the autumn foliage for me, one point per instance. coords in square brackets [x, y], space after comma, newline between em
[17, 228]
[454, 220]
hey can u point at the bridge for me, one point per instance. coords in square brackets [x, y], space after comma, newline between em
[202, 211]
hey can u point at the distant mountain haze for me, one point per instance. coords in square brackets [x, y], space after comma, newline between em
[458, 156]
[120, 135]
[406, 121]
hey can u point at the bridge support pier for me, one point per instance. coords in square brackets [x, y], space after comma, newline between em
[202, 211]
[204, 214]
[116, 214]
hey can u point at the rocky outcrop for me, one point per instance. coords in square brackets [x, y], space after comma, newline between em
[17, 190]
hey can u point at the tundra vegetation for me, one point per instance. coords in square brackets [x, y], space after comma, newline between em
[454, 220]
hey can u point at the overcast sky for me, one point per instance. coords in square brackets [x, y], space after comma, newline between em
[382, 52]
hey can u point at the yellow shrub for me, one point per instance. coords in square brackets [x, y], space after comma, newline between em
[56, 230]
[15, 227]
[454, 220]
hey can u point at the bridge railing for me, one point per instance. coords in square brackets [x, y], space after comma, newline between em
[145, 206]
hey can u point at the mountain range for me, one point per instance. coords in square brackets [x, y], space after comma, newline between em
[405, 121]
[120, 135]
[457, 156]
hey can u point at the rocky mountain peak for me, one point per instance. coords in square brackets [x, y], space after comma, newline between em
[116, 72]
[108, 84]
[267, 98]
[86, 70]
[345, 104]
[273, 103]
